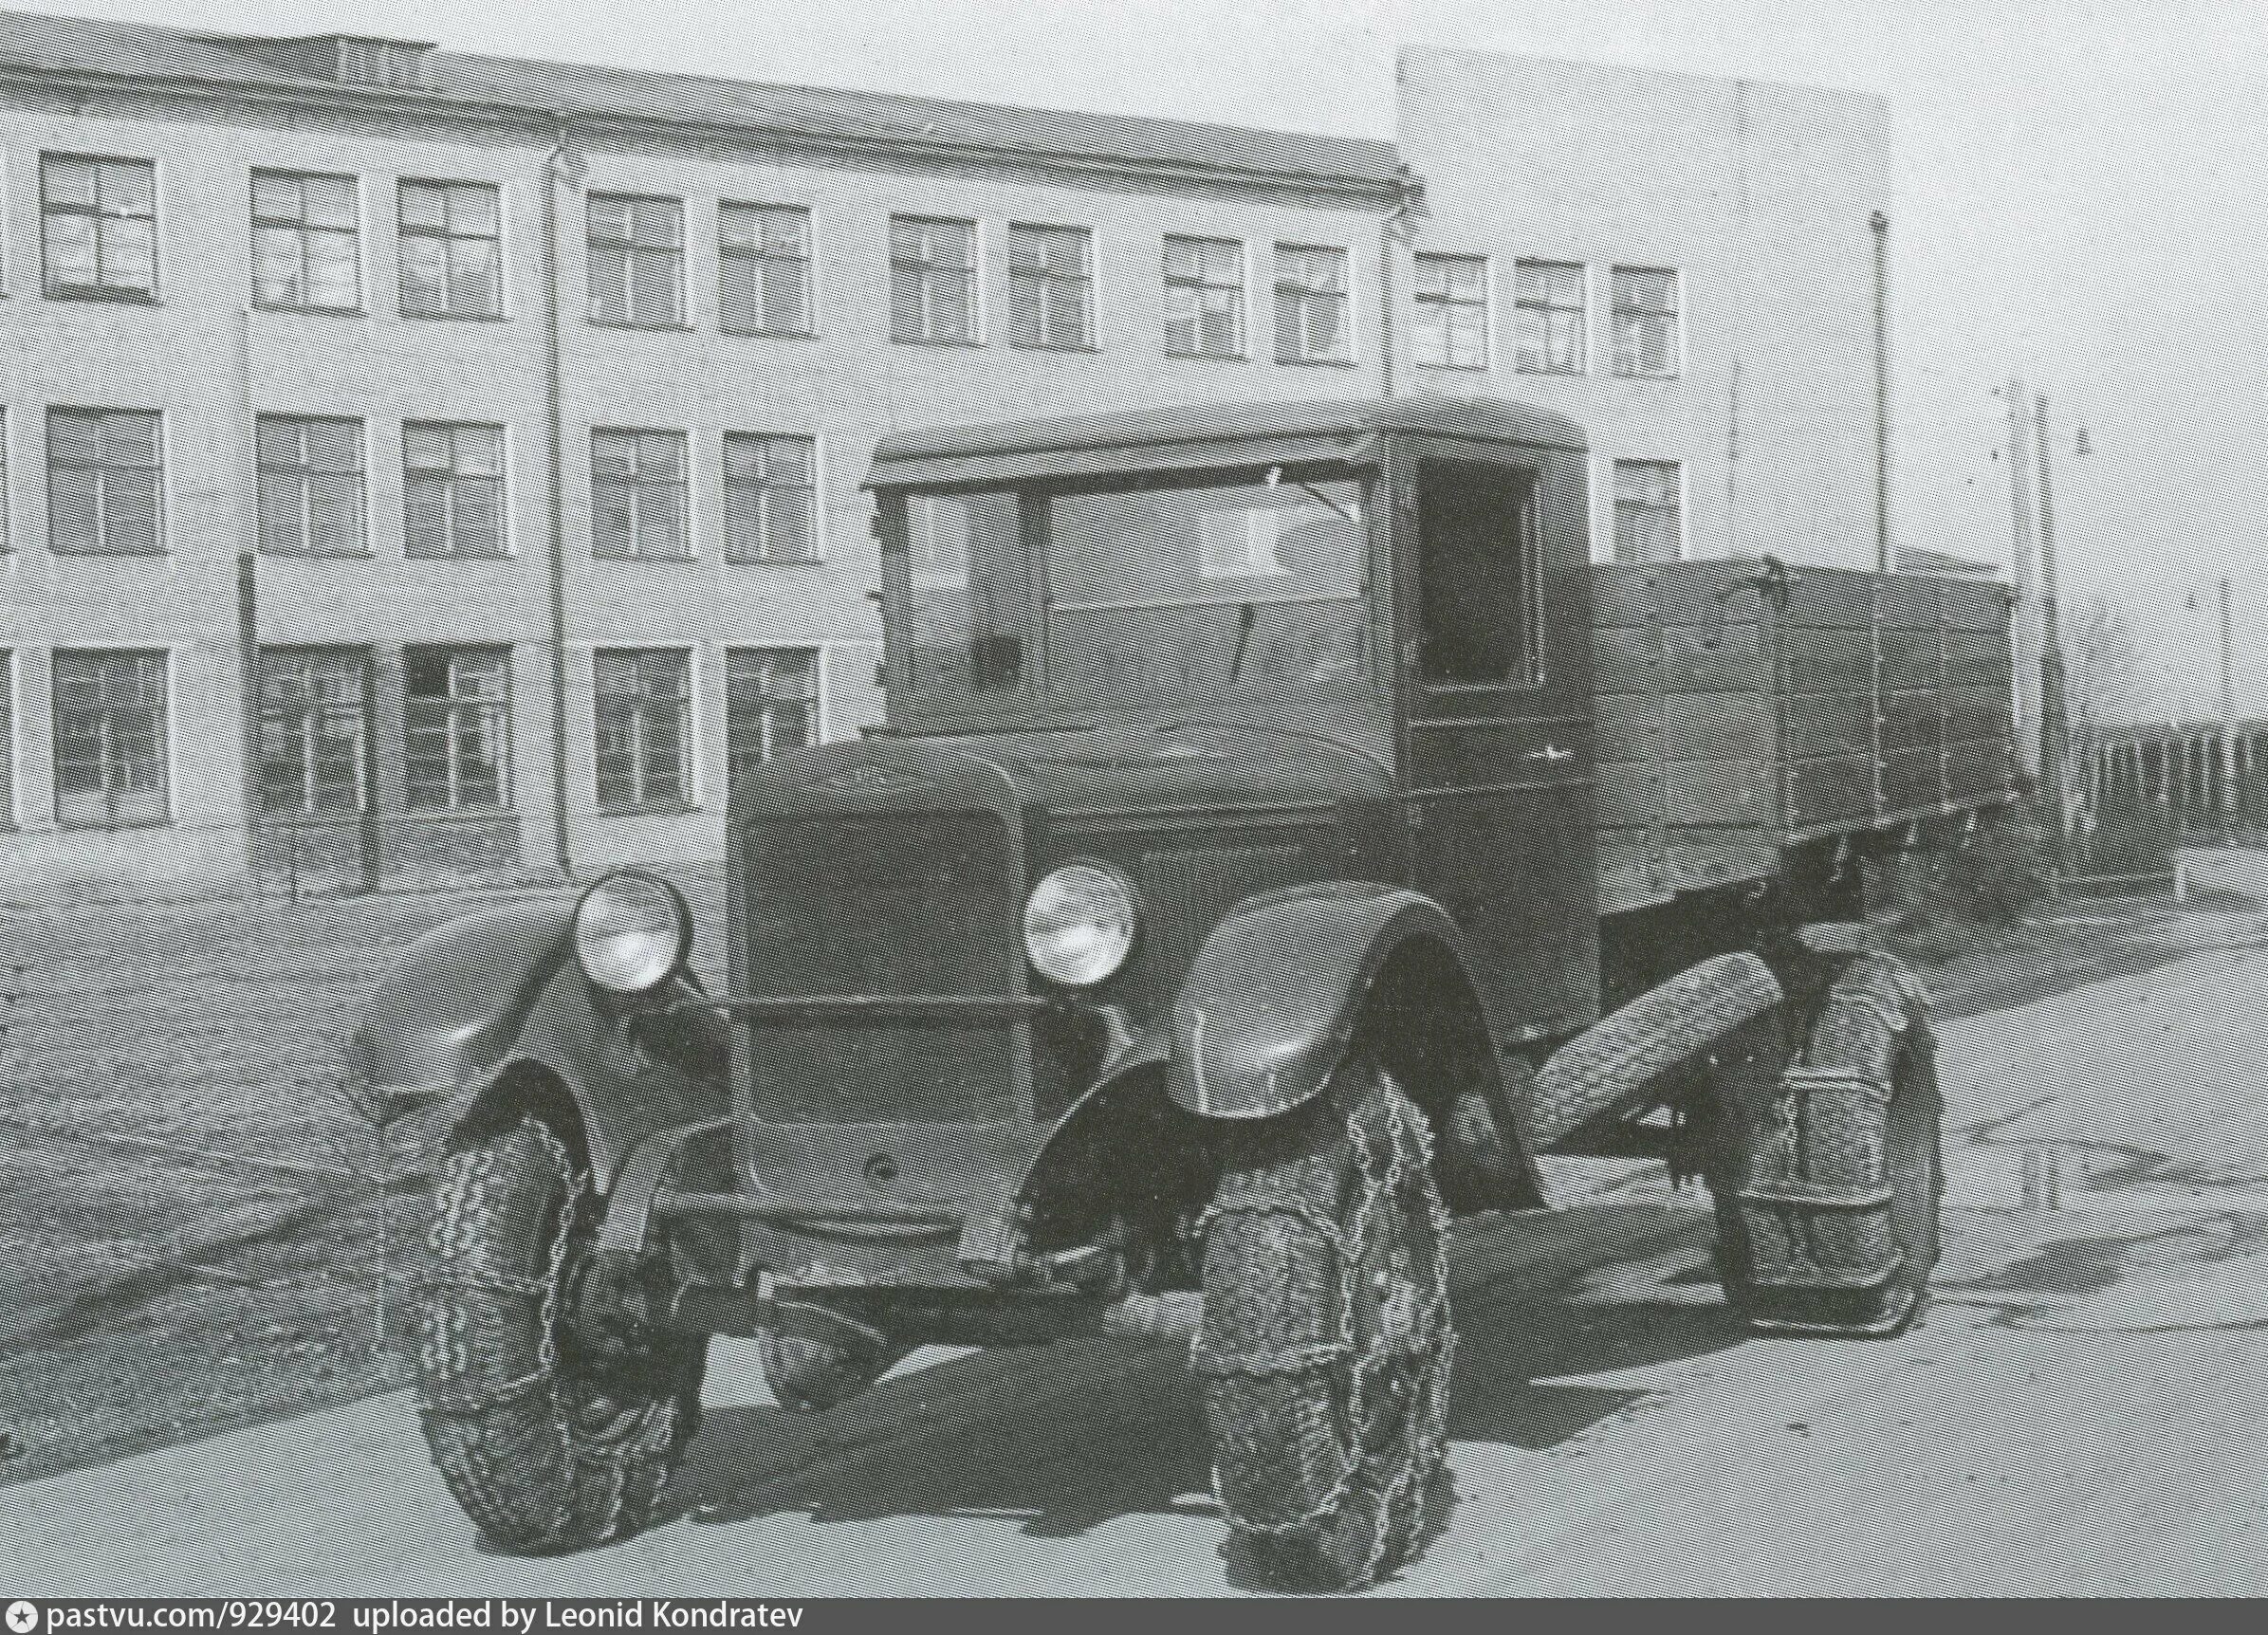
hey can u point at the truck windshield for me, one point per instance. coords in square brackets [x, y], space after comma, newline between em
[1152, 597]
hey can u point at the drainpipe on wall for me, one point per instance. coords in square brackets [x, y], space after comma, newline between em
[1399, 228]
[560, 166]
[1880, 223]
[248, 586]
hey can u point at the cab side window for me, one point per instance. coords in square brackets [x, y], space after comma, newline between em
[1478, 580]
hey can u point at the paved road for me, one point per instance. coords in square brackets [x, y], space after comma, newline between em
[2080, 1412]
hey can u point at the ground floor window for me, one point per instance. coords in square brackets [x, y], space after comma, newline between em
[1649, 526]
[7, 738]
[456, 720]
[771, 704]
[314, 733]
[644, 719]
[111, 738]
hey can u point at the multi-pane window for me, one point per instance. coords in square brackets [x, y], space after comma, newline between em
[1647, 527]
[7, 738]
[1644, 308]
[1205, 297]
[457, 724]
[314, 731]
[6, 540]
[310, 486]
[110, 737]
[932, 280]
[1051, 286]
[452, 489]
[636, 254]
[1551, 316]
[103, 481]
[768, 499]
[1452, 312]
[99, 227]
[451, 249]
[307, 241]
[764, 272]
[771, 704]
[1311, 305]
[644, 717]
[638, 495]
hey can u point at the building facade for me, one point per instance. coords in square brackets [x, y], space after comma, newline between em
[416, 466]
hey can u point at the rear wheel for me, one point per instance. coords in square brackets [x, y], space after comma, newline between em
[1827, 1174]
[1326, 1345]
[548, 1442]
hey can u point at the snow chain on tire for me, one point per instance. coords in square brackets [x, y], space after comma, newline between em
[1817, 1230]
[560, 1455]
[1295, 1412]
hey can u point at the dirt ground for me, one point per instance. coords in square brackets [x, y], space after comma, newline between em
[197, 1233]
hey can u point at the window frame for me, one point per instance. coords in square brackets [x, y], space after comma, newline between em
[452, 477]
[630, 250]
[1673, 316]
[1242, 289]
[158, 546]
[1308, 297]
[302, 228]
[814, 706]
[162, 729]
[1445, 304]
[8, 531]
[306, 720]
[759, 261]
[1047, 281]
[922, 269]
[447, 238]
[9, 714]
[810, 488]
[50, 287]
[1615, 506]
[1522, 305]
[688, 797]
[453, 709]
[304, 474]
[640, 486]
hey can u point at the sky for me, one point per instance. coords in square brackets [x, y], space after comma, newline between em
[2079, 198]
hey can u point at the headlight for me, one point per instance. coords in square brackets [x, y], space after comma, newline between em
[1079, 923]
[631, 932]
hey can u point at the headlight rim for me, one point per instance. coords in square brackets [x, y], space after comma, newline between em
[681, 914]
[1135, 916]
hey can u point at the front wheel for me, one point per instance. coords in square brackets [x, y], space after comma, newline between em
[548, 1442]
[1326, 1345]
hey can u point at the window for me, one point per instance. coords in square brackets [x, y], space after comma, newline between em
[1648, 524]
[99, 228]
[1205, 297]
[452, 489]
[103, 483]
[970, 594]
[1452, 312]
[636, 261]
[1311, 305]
[1552, 317]
[771, 704]
[638, 496]
[110, 737]
[7, 738]
[768, 499]
[764, 272]
[310, 486]
[307, 241]
[451, 249]
[1051, 286]
[1477, 584]
[314, 731]
[645, 751]
[6, 538]
[1644, 308]
[932, 280]
[456, 722]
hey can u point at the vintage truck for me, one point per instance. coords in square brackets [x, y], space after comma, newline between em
[1280, 833]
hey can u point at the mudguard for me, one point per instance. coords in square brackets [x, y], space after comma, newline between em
[476, 1002]
[1276, 993]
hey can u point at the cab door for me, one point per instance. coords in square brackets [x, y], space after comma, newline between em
[1496, 764]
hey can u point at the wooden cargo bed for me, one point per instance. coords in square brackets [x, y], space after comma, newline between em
[1743, 707]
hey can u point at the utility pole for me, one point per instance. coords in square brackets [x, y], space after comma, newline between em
[2228, 722]
[2055, 741]
[2027, 646]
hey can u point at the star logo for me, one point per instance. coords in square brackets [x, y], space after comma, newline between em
[23, 1618]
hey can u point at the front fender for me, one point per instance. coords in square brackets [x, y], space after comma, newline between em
[447, 1011]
